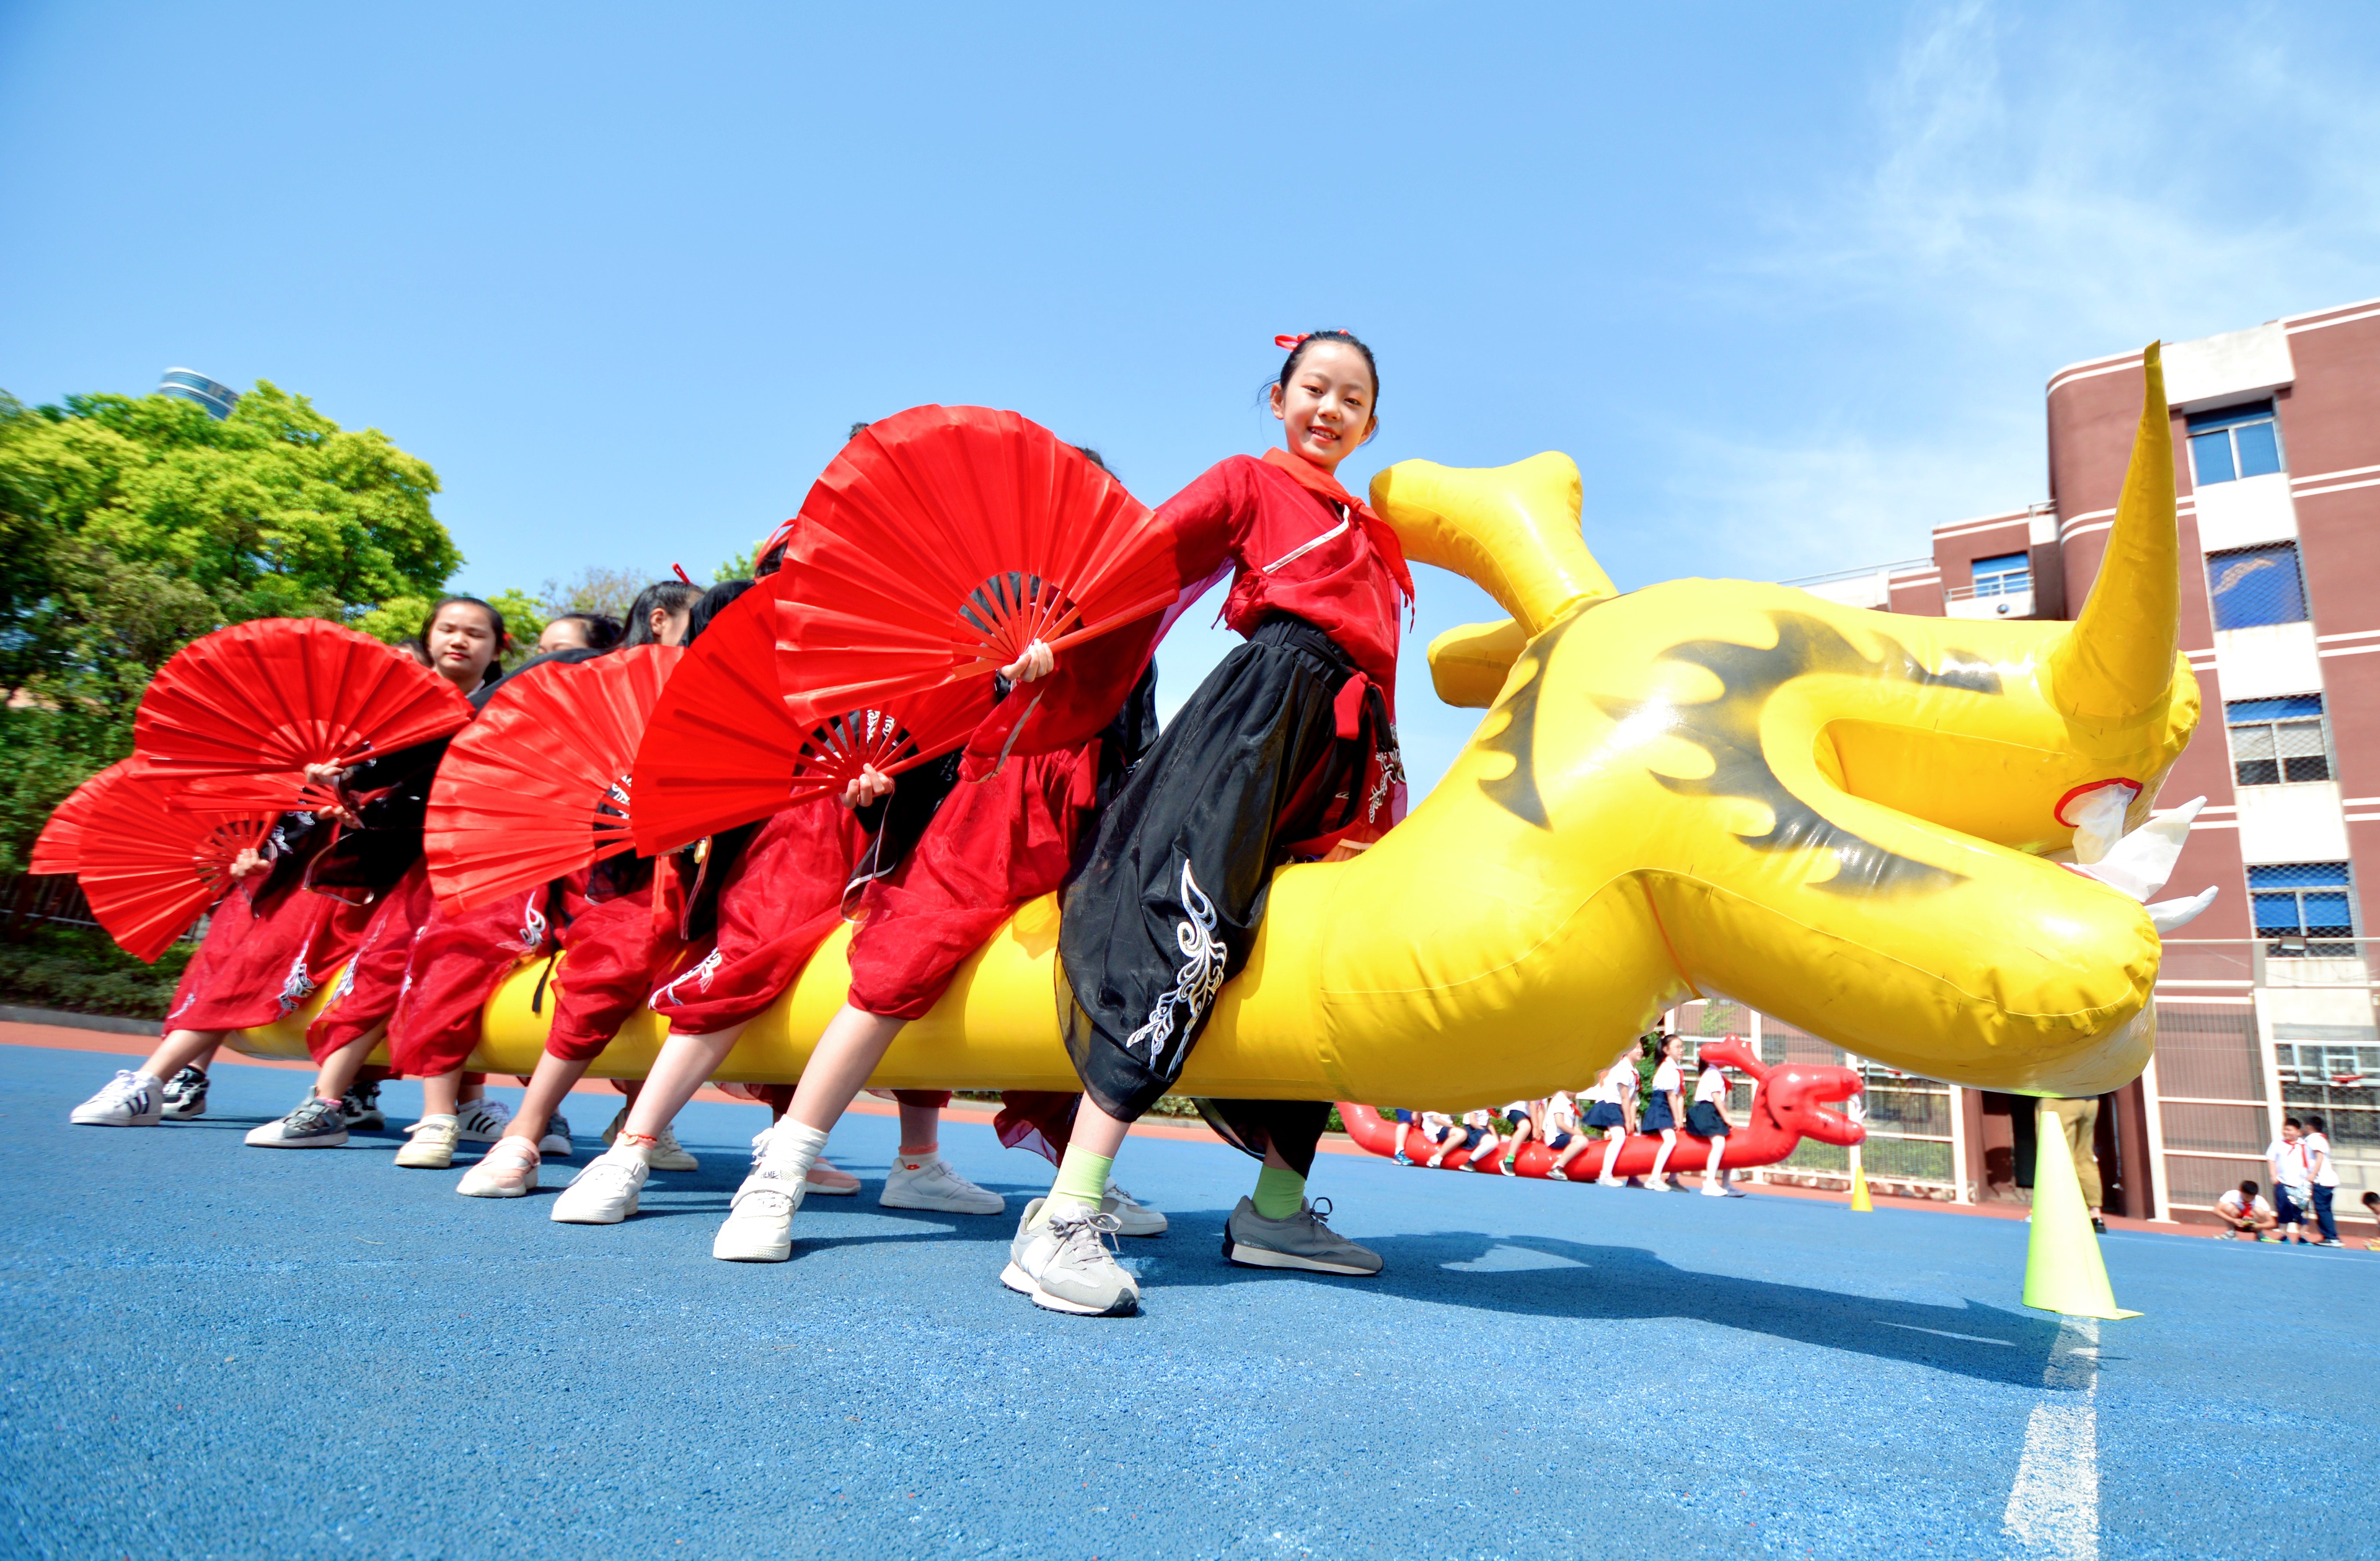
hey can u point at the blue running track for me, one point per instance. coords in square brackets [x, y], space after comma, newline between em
[211, 1350]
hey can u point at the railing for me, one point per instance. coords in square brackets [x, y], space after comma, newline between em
[1990, 586]
[1903, 566]
[26, 899]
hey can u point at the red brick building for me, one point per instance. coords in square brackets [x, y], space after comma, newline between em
[2264, 1008]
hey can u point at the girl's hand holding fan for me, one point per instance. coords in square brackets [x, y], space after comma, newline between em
[723, 746]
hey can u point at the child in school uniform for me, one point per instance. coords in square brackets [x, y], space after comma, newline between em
[1664, 1108]
[1708, 1118]
[1565, 1132]
[1520, 1118]
[1613, 1110]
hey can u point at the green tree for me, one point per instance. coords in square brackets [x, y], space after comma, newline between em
[129, 525]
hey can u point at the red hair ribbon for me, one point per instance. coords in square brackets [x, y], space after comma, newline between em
[1290, 344]
[682, 573]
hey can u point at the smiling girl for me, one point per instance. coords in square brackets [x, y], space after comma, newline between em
[1287, 751]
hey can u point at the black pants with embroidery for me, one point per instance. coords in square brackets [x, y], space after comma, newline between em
[1165, 908]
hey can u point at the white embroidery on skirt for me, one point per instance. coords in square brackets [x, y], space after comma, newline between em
[1201, 976]
[1392, 771]
[298, 987]
[532, 933]
[700, 976]
[346, 980]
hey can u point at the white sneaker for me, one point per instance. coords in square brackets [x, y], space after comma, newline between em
[432, 1145]
[556, 1139]
[1132, 1217]
[927, 1181]
[605, 1193]
[831, 1182]
[481, 1121]
[1065, 1265]
[509, 1170]
[666, 1154]
[128, 1100]
[669, 1154]
[759, 1224]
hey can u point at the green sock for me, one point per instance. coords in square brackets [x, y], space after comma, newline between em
[1278, 1192]
[1082, 1179]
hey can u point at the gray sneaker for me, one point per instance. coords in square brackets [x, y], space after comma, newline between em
[1303, 1240]
[316, 1124]
[1066, 1265]
[1133, 1216]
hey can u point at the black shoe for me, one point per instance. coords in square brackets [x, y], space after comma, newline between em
[2099, 1225]
[360, 1107]
[186, 1095]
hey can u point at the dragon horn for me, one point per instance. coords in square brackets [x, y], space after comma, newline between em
[1511, 531]
[2118, 661]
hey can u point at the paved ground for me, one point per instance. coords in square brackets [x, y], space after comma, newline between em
[214, 1350]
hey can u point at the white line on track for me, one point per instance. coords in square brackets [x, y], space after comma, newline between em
[2053, 1508]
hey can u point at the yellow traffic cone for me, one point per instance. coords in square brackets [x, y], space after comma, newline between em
[2063, 1271]
[1861, 1202]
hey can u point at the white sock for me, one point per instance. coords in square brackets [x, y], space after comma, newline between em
[918, 1161]
[791, 1150]
[147, 1078]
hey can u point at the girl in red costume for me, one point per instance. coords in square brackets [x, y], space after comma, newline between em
[1287, 750]
[1006, 835]
[459, 958]
[619, 935]
[376, 874]
[763, 898]
[270, 946]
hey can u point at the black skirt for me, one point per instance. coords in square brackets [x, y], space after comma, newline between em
[1704, 1121]
[1166, 906]
[1656, 1118]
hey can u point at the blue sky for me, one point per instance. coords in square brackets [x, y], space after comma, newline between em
[1786, 281]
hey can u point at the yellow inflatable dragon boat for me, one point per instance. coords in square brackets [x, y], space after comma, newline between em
[1706, 786]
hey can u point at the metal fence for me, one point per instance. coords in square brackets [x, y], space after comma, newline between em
[27, 899]
[1916, 1141]
[2253, 1030]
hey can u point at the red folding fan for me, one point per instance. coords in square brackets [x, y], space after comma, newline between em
[944, 540]
[539, 786]
[59, 848]
[722, 749]
[148, 870]
[263, 700]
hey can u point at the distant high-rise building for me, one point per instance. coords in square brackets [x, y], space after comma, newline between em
[191, 385]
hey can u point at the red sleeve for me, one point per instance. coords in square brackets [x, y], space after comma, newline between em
[1210, 517]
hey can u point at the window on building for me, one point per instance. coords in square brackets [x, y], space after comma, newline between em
[2237, 441]
[2277, 739]
[2249, 586]
[2009, 575]
[2299, 903]
[2320, 1060]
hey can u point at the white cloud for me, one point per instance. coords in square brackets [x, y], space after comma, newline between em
[2038, 190]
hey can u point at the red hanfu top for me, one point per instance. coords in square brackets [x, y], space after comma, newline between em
[1296, 542]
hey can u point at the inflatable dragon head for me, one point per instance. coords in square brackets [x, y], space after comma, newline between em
[1842, 817]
